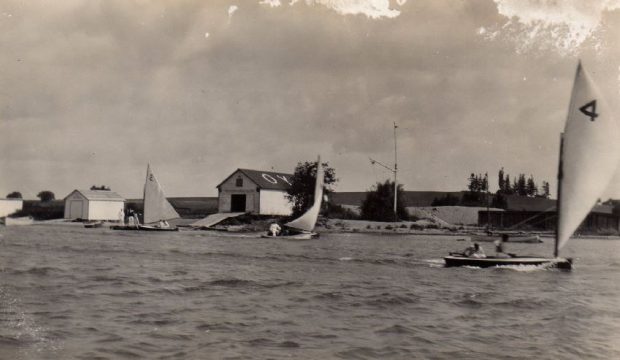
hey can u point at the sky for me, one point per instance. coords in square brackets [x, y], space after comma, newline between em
[92, 91]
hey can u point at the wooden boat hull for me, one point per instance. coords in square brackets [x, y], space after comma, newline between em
[141, 228]
[302, 236]
[456, 261]
[530, 239]
[93, 225]
[155, 228]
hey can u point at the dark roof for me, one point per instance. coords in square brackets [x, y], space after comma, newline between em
[410, 198]
[267, 180]
[524, 203]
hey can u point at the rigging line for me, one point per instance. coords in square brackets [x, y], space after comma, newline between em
[532, 217]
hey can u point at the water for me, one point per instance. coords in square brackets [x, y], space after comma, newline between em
[69, 292]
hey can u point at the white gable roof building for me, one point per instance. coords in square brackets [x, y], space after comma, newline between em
[93, 205]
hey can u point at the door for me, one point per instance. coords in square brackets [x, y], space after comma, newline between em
[75, 209]
[237, 203]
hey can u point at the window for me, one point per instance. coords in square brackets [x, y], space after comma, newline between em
[239, 182]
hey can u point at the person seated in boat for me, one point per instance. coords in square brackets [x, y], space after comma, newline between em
[130, 220]
[474, 251]
[499, 247]
[477, 252]
[275, 229]
[163, 224]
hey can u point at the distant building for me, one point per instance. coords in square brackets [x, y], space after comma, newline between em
[524, 212]
[9, 206]
[93, 205]
[255, 191]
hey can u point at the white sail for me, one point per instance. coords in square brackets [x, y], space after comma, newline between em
[156, 206]
[307, 221]
[590, 155]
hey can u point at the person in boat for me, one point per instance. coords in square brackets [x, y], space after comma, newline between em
[163, 224]
[136, 219]
[121, 217]
[474, 251]
[499, 247]
[130, 219]
[477, 252]
[275, 229]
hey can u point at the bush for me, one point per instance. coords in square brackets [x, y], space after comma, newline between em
[379, 203]
[339, 212]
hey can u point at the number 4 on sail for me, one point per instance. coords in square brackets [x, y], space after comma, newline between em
[589, 154]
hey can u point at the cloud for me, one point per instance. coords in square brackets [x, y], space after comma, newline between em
[560, 26]
[231, 10]
[271, 3]
[374, 9]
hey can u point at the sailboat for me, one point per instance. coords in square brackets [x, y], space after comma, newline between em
[589, 154]
[302, 228]
[157, 209]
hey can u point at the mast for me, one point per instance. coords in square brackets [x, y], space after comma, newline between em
[556, 250]
[395, 172]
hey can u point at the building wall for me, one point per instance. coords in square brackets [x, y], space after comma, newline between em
[76, 199]
[104, 210]
[545, 220]
[229, 187]
[274, 202]
[9, 206]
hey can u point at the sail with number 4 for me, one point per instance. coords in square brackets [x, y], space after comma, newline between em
[307, 221]
[156, 206]
[589, 155]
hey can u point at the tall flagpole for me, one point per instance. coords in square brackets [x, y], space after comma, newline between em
[395, 173]
[394, 170]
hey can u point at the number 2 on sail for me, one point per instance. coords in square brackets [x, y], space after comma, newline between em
[589, 110]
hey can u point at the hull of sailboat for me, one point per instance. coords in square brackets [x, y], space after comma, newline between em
[302, 236]
[457, 261]
[155, 228]
[93, 225]
[531, 239]
[141, 228]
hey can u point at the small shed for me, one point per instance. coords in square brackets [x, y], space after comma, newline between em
[93, 205]
[255, 191]
[9, 206]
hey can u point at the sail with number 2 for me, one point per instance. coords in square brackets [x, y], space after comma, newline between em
[307, 221]
[156, 206]
[589, 155]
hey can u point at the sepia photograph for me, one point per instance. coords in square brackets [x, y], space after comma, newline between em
[309, 179]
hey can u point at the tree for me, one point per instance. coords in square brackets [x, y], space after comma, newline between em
[530, 187]
[46, 196]
[545, 189]
[379, 203]
[301, 191]
[14, 195]
[501, 183]
[102, 187]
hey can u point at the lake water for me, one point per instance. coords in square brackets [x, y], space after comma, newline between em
[68, 292]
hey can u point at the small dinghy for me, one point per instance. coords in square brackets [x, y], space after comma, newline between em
[157, 209]
[302, 228]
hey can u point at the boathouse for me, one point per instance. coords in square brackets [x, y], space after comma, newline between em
[93, 205]
[9, 206]
[256, 192]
